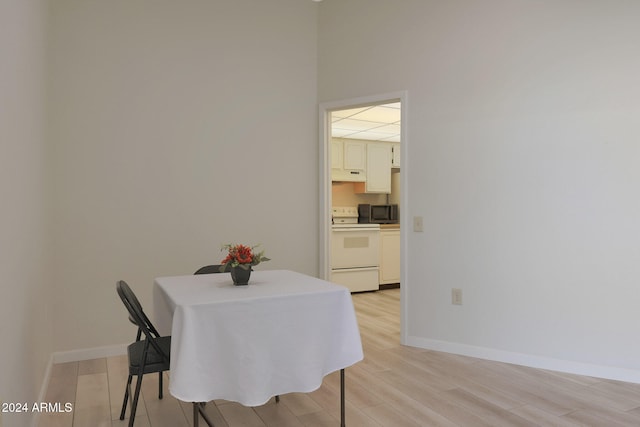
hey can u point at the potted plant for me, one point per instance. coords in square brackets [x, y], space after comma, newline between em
[239, 260]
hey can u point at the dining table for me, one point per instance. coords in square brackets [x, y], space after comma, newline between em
[282, 333]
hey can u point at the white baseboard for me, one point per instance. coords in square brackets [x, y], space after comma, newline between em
[89, 353]
[579, 368]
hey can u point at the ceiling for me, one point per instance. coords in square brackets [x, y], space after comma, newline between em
[374, 122]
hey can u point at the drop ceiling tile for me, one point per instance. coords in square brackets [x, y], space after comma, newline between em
[356, 125]
[379, 114]
[390, 129]
[343, 114]
[341, 133]
[380, 122]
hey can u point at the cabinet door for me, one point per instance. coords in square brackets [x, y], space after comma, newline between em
[378, 168]
[354, 155]
[395, 155]
[336, 155]
[389, 257]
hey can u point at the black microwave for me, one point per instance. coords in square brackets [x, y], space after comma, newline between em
[378, 214]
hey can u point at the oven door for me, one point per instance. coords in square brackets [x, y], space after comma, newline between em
[353, 246]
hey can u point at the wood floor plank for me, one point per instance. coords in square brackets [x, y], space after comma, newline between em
[212, 412]
[385, 415]
[236, 414]
[318, 419]
[300, 403]
[585, 418]
[542, 418]
[277, 415]
[613, 417]
[390, 394]
[166, 412]
[486, 410]
[498, 377]
[615, 390]
[93, 366]
[141, 421]
[92, 402]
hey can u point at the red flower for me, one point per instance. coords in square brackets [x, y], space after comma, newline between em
[242, 255]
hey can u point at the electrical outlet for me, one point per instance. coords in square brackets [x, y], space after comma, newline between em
[456, 296]
[417, 223]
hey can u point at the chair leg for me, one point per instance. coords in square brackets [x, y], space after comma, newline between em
[126, 397]
[196, 418]
[134, 404]
[342, 402]
[160, 386]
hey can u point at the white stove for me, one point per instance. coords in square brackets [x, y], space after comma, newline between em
[354, 251]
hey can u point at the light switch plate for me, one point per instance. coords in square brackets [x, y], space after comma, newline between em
[456, 296]
[417, 224]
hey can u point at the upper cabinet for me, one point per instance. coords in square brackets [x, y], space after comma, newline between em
[378, 174]
[355, 155]
[368, 163]
[348, 160]
[337, 157]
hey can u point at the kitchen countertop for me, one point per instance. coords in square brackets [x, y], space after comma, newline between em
[389, 226]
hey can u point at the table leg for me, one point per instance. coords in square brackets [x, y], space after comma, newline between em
[198, 409]
[342, 423]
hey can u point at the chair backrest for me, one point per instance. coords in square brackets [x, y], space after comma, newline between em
[137, 315]
[210, 269]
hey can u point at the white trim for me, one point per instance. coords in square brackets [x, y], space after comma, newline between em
[539, 362]
[89, 353]
[325, 187]
[325, 190]
[43, 391]
[405, 218]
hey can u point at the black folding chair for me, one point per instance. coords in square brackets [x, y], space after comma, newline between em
[214, 268]
[145, 356]
[138, 335]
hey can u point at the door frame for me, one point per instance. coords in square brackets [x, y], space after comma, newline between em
[324, 125]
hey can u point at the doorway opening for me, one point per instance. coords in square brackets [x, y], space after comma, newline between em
[347, 128]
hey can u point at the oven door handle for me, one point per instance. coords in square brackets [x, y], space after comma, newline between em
[351, 230]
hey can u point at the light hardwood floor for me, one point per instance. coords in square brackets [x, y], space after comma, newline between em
[393, 386]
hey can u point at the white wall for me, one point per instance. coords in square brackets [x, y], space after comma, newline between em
[178, 126]
[523, 140]
[25, 309]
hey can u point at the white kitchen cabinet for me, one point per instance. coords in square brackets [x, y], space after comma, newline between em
[395, 155]
[337, 161]
[355, 155]
[378, 169]
[348, 161]
[389, 271]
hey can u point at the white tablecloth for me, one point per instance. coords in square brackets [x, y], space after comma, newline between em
[282, 333]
